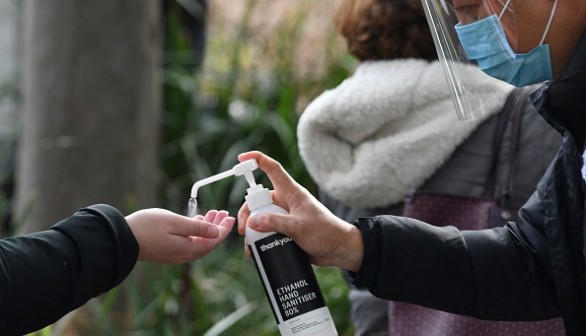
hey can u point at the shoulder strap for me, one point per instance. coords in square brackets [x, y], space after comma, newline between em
[513, 108]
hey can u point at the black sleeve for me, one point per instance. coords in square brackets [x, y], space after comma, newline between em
[490, 274]
[47, 274]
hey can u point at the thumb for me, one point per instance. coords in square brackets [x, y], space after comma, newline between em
[273, 222]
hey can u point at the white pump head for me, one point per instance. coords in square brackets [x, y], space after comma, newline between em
[258, 195]
[244, 168]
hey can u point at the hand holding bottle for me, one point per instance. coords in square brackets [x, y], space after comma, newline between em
[327, 239]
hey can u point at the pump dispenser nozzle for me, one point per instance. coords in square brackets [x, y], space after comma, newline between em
[244, 168]
[257, 194]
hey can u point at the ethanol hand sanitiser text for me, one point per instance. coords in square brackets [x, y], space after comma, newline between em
[286, 273]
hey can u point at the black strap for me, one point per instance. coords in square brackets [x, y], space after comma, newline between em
[513, 108]
[522, 101]
[497, 140]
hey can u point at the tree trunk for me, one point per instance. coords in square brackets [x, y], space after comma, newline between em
[8, 100]
[91, 108]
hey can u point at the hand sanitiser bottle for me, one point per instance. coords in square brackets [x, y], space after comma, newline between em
[286, 273]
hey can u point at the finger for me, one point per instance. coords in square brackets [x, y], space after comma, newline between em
[274, 222]
[247, 249]
[202, 246]
[210, 215]
[194, 227]
[220, 217]
[225, 226]
[243, 214]
[206, 230]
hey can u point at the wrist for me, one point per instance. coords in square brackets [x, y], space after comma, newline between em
[136, 233]
[352, 251]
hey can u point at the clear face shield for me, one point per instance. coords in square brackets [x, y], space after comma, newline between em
[486, 33]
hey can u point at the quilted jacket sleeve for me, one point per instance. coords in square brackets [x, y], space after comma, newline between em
[487, 274]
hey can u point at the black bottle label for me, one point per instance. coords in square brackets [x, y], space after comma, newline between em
[290, 277]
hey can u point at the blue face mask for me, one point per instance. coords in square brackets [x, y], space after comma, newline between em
[485, 42]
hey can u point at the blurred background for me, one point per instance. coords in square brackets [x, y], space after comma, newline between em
[129, 103]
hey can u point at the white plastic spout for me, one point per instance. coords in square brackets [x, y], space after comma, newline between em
[244, 168]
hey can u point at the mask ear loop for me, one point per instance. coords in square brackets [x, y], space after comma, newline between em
[504, 9]
[549, 22]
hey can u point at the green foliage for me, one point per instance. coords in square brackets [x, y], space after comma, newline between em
[230, 107]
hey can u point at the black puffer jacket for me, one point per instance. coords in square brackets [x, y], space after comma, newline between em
[464, 174]
[47, 274]
[529, 270]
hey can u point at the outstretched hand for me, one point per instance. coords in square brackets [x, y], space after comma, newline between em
[166, 237]
[327, 239]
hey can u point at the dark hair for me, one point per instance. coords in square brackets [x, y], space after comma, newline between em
[385, 29]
